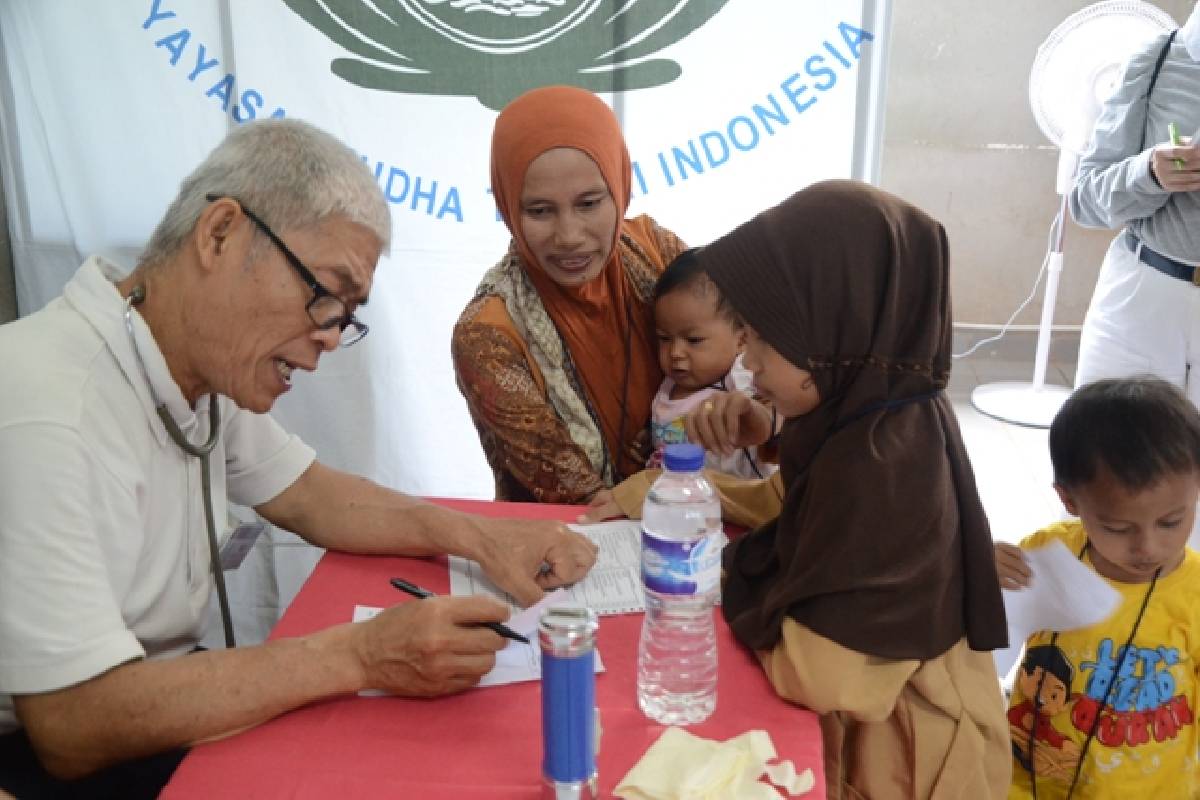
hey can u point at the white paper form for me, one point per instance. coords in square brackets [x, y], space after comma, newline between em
[613, 586]
[1064, 594]
[517, 662]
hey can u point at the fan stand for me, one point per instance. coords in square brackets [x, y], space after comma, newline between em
[1032, 404]
[1035, 404]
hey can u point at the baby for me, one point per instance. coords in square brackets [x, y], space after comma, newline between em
[700, 343]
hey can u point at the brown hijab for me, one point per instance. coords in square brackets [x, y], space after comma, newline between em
[596, 319]
[882, 544]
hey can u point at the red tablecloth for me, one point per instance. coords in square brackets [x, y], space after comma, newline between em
[485, 743]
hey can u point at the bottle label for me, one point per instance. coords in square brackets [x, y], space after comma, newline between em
[674, 567]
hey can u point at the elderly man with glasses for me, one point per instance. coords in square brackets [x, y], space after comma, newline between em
[131, 413]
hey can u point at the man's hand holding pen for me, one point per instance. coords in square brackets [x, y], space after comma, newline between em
[421, 594]
[1175, 163]
[437, 646]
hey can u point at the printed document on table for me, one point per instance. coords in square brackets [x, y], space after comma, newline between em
[613, 586]
[517, 662]
[1064, 594]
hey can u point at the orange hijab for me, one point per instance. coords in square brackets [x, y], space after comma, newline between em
[597, 318]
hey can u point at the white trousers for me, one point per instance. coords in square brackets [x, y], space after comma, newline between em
[1140, 322]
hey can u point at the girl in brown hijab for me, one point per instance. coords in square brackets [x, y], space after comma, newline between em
[555, 354]
[872, 598]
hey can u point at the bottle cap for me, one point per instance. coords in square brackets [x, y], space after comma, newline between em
[685, 457]
[567, 631]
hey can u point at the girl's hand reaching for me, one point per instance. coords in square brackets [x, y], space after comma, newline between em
[1011, 567]
[729, 421]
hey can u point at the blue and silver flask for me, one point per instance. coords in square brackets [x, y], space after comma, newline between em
[568, 640]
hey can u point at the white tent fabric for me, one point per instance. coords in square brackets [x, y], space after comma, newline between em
[104, 107]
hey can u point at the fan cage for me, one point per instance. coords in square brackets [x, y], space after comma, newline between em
[1045, 111]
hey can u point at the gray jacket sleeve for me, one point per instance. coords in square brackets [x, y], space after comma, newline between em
[1114, 183]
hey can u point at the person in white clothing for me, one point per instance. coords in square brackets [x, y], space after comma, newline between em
[700, 344]
[107, 546]
[1144, 318]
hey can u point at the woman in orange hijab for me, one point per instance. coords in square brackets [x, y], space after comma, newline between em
[555, 354]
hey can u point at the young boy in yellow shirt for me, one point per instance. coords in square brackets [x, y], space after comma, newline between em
[1108, 711]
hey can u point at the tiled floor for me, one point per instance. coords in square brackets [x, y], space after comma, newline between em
[1012, 463]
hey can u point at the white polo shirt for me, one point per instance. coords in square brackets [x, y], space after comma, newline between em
[103, 550]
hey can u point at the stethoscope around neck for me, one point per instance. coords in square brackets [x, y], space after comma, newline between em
[202, 452]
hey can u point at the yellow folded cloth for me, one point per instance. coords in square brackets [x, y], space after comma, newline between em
[680, 766]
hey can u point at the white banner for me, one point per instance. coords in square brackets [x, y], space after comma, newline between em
[108, 105]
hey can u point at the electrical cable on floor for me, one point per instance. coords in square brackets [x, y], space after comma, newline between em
[1054, 225]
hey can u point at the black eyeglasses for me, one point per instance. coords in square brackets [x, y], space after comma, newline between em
[326, 309]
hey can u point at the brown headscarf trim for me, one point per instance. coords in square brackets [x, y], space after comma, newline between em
[882, 544]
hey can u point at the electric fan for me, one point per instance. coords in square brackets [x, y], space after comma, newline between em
[1075, 70]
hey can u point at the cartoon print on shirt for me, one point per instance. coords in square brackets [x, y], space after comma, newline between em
[1055, 755]
[671, 433]
[1142, 705]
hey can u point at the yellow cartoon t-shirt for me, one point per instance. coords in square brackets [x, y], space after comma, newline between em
[1145, 741]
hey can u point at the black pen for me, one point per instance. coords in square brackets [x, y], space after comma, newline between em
[498, 627]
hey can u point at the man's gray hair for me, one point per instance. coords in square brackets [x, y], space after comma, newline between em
[289, 173]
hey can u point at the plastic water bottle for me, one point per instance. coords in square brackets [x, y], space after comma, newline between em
[682, 539]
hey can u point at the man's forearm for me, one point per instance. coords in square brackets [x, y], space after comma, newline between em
[340, 511]
[146, 707]
[343, 512]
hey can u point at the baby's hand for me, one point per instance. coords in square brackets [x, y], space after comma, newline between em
[1011, 567]
[602, 506]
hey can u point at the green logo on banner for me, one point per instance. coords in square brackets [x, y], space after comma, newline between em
[496, 49]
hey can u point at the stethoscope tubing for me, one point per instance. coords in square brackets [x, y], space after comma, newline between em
[201, 452]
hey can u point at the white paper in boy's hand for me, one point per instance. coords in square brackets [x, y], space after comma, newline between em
[1064, 594]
